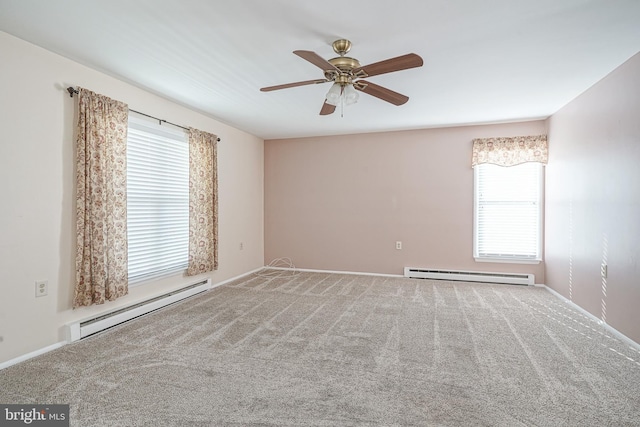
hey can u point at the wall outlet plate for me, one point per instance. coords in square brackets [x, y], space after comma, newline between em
[42, 288]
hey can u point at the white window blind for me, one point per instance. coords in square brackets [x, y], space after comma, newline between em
[508, 223]
[157, 199]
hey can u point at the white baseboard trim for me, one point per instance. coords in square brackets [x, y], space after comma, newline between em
[622, 337]
[240, 276]
[31, 355]
[355, 273]
[55, 346]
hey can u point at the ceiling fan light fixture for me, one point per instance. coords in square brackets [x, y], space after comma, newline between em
[350, 95]
[333, 96]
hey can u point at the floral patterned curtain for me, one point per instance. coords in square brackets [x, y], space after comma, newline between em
[203, 202]
[101, 200]
[510, 151]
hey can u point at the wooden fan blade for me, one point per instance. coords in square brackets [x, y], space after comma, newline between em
[315, 59]
[327, 109]
[288, 85]
[381, 92]
[404, 62]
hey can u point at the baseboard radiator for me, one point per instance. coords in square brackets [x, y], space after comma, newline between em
[87, 327]
[470, 276]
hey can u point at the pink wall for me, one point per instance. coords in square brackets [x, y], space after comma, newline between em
[593, 200]
[341, 202]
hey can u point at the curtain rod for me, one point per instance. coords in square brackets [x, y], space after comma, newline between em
[73, 91]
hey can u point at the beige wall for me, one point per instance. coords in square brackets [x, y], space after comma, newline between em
[593, 200]
[341, 202]
[37, 231]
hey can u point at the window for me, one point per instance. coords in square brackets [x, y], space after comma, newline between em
[508, 213]
[157, 199]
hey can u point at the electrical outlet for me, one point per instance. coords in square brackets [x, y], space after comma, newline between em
[42, 288]
[241, 246]
[604, 270]
[398, 245]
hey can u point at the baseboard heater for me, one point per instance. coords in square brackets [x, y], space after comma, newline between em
[470, 276]
[87, 327]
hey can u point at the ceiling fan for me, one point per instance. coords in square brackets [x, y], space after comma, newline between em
[347, 73]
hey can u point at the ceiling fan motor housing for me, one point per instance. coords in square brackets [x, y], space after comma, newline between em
[344, 63]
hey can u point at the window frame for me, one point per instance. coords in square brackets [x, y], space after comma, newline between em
[509, 258]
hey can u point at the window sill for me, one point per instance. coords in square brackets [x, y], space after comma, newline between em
[508, 260]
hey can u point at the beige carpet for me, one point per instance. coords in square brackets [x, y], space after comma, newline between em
[343, 350]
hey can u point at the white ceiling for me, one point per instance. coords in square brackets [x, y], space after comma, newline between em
[484, 61]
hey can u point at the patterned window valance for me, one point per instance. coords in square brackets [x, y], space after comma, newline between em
[510, 151]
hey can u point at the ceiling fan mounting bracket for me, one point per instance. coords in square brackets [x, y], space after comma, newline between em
[331, 75]
[360, 74]
[360, 85]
